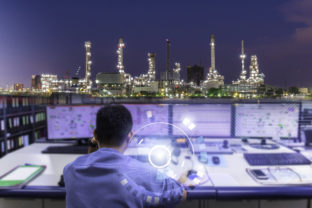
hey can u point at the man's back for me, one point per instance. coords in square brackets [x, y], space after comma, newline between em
[106, 178]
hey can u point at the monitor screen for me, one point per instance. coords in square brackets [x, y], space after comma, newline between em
[149, 119]
[78, 121]
[71, 122]
[209, 120]
[267, 120]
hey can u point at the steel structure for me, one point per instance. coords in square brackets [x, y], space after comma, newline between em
[254, 76]
[243, 75]
[120, 66]
[213, 77]
[88, 82]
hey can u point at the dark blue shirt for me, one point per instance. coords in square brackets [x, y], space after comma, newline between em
[107, 178]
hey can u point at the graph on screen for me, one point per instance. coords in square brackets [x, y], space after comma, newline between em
[267, 120]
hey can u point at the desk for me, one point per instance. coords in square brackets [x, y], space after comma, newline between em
[241, 186]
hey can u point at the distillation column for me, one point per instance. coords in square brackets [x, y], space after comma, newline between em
[120, 66]
[151, 66]
[88, 82]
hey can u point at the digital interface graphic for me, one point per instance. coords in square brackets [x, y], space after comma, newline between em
[267, 120]
[203, 119]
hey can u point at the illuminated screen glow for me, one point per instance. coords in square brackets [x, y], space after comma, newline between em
[267, 120]
[212, 120]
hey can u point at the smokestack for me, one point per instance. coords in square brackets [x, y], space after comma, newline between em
[213, 57]
[243, 56]
[243, 51]
[168, 54]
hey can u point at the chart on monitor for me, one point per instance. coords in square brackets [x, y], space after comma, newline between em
[267, 120]
[208, 120]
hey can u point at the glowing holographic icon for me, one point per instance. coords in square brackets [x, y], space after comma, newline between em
[159, 156]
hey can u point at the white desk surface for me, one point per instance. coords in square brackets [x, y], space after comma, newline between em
[32, 155]
[231, 171]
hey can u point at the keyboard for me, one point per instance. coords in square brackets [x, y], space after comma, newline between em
[276, 159]
[71, 149]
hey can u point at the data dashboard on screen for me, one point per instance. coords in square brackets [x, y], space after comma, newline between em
[267, 120]
[149, 119]
[78, 121]
[71, 122]
[210, 120]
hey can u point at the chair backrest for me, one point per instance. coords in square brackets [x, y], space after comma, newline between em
[308, 136]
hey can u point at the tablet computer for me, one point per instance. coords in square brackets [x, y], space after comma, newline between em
[19, 176]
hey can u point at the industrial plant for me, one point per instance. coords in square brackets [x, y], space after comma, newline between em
[169, 84]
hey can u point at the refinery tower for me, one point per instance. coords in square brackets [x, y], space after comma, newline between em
[214, 79]
[88, 82]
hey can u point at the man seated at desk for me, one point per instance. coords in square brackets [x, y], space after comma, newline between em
[107, 178]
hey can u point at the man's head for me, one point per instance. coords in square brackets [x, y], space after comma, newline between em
[113, 126]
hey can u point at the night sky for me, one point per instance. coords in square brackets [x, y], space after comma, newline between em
[48, 37]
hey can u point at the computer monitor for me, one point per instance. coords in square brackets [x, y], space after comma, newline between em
[208, 120]
[149, 119]
[274, 120]
[71, 122]
[78, 121]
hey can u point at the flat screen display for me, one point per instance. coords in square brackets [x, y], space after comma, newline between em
[71, 122]
[210, 120]
[267, 120]
[78, 121]
[149, 119]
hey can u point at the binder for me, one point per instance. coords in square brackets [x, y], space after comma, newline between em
[2, 125]
[2, 148]
[26, 140]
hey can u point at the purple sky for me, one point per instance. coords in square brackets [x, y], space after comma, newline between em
[39, 37]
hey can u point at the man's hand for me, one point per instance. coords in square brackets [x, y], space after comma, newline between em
[93, 149]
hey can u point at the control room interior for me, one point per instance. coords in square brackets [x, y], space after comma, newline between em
[235, 154]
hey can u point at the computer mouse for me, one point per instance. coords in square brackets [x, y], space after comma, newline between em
[216, 160]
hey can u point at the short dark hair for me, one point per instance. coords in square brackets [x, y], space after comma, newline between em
[113, 124]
